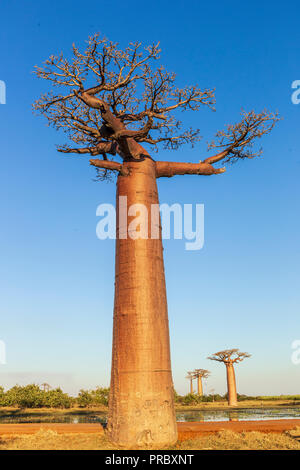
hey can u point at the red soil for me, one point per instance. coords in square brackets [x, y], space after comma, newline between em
[185, 430]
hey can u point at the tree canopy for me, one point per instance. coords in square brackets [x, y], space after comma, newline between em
[203, 373]
[229, 356]
[111, 101]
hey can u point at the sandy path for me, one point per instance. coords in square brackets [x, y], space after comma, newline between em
[185, 430]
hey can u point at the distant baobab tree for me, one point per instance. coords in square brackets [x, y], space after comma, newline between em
[191, 376]
[199, 375]
[117, 104]
[46, 387]
[230, 357]
[212, 392]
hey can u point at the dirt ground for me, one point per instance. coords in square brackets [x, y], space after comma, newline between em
[267, 435]
[47, 439]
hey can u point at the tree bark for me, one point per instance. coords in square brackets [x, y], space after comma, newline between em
[169, 169]
[191, 386]
[200, 388]
[141, 402]
[231, 385]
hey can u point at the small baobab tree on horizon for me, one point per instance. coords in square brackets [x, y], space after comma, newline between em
[201, 374]
[45, 386]
[191, 376]
[230, 357]
[119, 105]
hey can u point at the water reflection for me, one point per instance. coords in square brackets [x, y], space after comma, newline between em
[239, 415]
[18, 416]
[233, 416]
[59, 418]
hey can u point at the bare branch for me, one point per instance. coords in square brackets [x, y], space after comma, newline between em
[169, 169]
[109, 165]
[203, 373]
[101, 148]
[103, 166]
[120, 98]
[237, 139]
[190, 98]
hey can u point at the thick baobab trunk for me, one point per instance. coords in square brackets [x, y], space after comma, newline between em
[191, 386]
[141, 402]
[200, 388]
[231, 385]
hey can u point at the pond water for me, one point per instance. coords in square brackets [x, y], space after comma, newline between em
[183, 416]
[42, 417]
[250, 414]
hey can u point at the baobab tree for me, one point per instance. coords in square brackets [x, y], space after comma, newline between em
[118, 104]
[46, 387]
[199, 375]
[230, 357]
[191, 377]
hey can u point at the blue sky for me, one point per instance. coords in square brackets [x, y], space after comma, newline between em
[56, 278]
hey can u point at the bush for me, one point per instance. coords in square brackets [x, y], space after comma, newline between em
[195, 399]
[245, 397]
[31, 396]
[84, 398]
[57, 399]
[99, 396]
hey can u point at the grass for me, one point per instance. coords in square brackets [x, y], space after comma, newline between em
[280, 397]
[228, 440]
[50, 440]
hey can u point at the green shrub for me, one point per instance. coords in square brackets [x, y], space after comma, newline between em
[31, 396]
[28, 396]
[57, 399]
[100, 396]
[84, 398]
